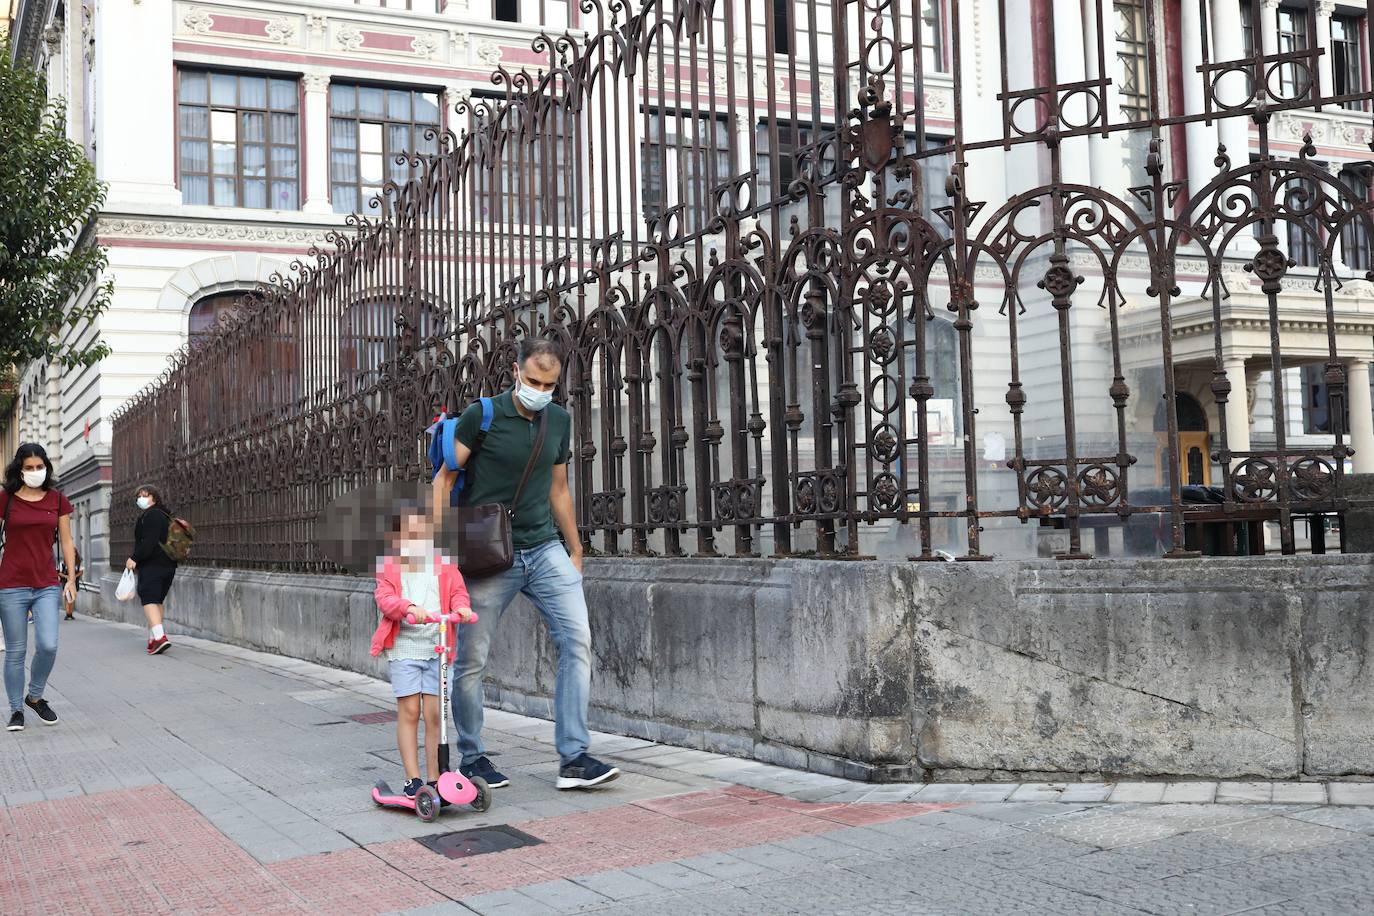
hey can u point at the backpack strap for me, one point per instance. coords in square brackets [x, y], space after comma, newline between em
[5, 522]
[450, 447]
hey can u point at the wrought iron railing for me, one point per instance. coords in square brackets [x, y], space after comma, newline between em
[832, 278]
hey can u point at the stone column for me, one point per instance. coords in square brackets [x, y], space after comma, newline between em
[1108, 159]
[1361, 415]
[1227, 46]
[1237, 407]
[316, 127]
[1202, 137]
[1070, 68]
[1338, 250]
[1325, 65]
[1268, 35]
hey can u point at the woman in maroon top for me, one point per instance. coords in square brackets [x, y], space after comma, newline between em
[35, 516]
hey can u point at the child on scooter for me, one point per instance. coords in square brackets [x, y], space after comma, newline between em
[415, 580]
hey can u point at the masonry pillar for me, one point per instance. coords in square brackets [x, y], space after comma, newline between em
[1069, 67]
[1361, 415]
[1231, 89]
[1202, 137]
[1107, 154]
[1237, 407]
[1325, 65]
[317, 198]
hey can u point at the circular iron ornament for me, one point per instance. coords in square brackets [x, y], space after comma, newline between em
[887, 493]
[881, 298]
[725, 502]
[664, 507]
[882, 345]
[886, 445]
[830, 494]
[1270, 265]
[1059, 281]
[1099, 485]
[1311, 479]
[806, 495]
[745, 504]
[1047, 488]
[1256, 480]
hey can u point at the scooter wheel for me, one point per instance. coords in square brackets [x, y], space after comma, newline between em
[426, 804]
[483, 800]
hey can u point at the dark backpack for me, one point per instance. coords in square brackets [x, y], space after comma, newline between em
[180, 538]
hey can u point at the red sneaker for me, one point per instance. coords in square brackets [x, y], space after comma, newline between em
[158, 646]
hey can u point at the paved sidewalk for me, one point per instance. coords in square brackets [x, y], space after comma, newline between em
[215, 779]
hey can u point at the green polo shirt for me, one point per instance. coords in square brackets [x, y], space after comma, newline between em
[495, 474]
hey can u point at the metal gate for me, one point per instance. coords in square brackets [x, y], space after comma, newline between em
[840, 278]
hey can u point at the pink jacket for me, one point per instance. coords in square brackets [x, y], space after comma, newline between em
[453, 595]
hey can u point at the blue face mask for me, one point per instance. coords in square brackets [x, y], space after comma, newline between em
[533, 400]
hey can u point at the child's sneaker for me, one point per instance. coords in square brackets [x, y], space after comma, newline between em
[413, 786]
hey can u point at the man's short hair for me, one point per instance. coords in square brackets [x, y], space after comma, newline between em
[541, 349]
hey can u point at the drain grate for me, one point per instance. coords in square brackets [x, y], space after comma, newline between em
[462, 844]
[374, 718]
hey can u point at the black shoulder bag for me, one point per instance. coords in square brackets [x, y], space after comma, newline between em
[479, 538]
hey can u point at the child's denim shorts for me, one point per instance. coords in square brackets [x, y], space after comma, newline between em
[410, 676]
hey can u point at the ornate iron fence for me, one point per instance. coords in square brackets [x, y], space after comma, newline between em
[832, 278]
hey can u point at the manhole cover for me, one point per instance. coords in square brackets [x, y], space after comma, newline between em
[464, 843]
[374, 718]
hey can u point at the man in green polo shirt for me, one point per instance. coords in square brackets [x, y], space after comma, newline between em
[545, 572]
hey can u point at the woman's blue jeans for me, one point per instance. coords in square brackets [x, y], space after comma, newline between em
[15, 604]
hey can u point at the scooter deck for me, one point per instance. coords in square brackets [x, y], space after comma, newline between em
[387, 797]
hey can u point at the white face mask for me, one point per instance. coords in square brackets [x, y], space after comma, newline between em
[415, 550]
[532, 399]
[144, 502]
[35, 479]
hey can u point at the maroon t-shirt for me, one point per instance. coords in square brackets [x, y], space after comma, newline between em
[28, 556]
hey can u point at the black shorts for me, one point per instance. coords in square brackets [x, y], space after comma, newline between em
[154, 582]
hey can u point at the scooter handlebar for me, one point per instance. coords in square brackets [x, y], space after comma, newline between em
[435, 618]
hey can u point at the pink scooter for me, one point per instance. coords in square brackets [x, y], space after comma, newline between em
[453, 788]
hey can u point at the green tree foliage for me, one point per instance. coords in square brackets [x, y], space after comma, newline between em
[49, 197]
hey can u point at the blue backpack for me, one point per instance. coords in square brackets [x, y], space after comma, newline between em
[442, 447]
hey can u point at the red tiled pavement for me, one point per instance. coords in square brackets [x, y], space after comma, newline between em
[146, 851]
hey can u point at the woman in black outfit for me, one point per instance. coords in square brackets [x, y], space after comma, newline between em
[155, 569]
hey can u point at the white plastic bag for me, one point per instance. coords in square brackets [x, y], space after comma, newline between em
[128, 585]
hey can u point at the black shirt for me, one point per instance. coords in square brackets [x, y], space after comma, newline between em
[150, 533]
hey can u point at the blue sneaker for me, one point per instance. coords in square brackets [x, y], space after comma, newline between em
[482, 767]
[413, 786]
[585, 771]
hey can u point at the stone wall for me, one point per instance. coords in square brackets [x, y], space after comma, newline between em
[885, 671]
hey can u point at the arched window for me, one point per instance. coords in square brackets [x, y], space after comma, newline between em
[208, 311]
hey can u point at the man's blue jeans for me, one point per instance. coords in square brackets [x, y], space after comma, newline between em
[14, 616]
[546, 576]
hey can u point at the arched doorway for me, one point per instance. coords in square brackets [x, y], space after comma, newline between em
[1194, 443]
